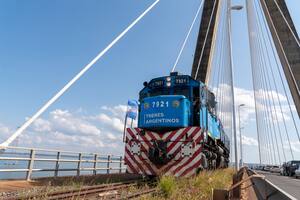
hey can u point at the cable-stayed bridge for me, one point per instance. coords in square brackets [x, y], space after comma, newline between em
[275, 64]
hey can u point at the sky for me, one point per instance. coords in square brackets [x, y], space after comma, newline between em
[45, 43]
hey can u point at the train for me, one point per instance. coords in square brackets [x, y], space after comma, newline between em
[178, 132]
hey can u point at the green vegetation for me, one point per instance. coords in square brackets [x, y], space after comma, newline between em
[199, 187]
[167, 185]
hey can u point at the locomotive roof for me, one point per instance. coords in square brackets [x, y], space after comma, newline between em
[182, 80]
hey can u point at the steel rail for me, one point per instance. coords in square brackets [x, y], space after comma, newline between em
[138, 194]
[88, 191]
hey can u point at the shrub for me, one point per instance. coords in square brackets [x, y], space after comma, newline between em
[167, 185]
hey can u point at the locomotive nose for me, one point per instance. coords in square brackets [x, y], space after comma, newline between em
[164, 112]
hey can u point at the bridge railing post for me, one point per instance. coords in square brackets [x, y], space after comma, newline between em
[120, 170]
[79, 164]
[30, 164]
[108, 164]
[95, 164]
[57, 164]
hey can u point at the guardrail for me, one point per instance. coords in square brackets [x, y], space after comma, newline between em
[29, 161]
[254, 185]
[264, 189]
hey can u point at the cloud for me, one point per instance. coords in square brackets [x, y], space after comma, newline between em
[4, 129]
[294, 145]
[246, 97]
[4, 132]
[118, 110]
[224, 106]
[41, 125]
[103, 131]
[112, 136]
[78, 130]
[114, 123]
[66, 122]
[279, 109]
[113, 117]
[249, 141]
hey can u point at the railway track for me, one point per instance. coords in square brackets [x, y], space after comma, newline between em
[106, 191]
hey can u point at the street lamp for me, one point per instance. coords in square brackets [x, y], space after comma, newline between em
[237, 7]
[240, 129]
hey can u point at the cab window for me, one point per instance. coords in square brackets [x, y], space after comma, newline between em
[185, 91]
[158, 91]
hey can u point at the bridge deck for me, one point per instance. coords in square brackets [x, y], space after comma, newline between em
[290, 185]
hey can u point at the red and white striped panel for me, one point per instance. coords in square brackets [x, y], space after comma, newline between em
[139, 162]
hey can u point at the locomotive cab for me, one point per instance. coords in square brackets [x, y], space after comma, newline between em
[168, 103]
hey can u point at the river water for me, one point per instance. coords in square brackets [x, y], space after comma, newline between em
[7, 164]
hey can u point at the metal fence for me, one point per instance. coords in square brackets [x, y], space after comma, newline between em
[53, 163]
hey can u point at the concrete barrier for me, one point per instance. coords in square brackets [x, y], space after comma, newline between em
[264, 189]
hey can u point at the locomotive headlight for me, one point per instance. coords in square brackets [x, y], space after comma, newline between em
[175, 104]
[168, 81]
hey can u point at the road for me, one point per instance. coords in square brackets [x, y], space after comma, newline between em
[290, 185]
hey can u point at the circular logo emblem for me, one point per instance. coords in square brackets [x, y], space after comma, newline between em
[175, 103]
[146, 105]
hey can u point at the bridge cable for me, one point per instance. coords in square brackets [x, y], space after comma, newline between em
[263, 105]
[274, 100]
[228, 72]
[287, 23]
[218, 72]
[73, 80]
[254, 82]
[217, 51]
[228, 99]
[281, 78]
[220, 64]
[218, 67]
[214, 49]
[224, 64]
[221, 72]
[274, 82]
[257, 66]
[266, 95]
[187, 36]
[266, 74]
[284, 54]
[271, 103]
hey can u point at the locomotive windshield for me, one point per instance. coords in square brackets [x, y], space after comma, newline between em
[158, 91]
[185, 91]
[170, 85]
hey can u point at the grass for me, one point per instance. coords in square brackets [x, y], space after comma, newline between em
[198, 187]
[167, 185]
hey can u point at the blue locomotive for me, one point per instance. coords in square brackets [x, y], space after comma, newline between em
[178, 132]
